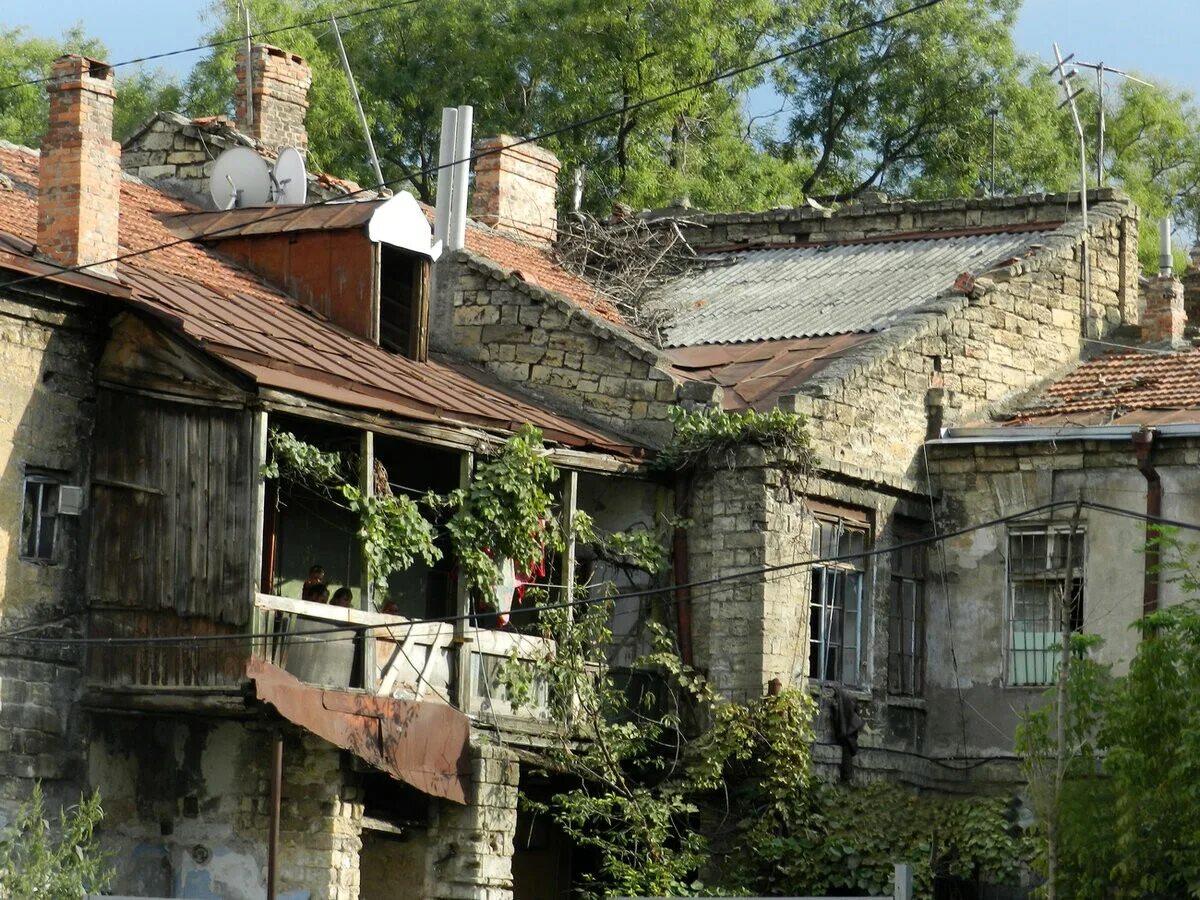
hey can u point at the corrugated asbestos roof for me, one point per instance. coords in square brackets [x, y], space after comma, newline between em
[826, 289]
[260, 331]
[1121, 389]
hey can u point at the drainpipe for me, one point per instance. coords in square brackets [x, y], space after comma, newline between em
[1143, 446]
[679, 558]
[276, 801]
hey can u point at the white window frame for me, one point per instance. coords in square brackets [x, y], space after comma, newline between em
[1030, 648]
[819, 637]
[43, 481]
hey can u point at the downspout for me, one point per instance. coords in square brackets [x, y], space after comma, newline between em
[1143, 446]
[679, 558]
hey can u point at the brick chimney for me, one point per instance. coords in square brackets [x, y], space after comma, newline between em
[279, 97]
[79, 185]
[516, 188]
[1163, 318]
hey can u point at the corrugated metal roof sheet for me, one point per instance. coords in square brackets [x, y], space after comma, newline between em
[825, 289]
[262, 332]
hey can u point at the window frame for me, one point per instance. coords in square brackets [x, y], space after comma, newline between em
[844, 524]
[1051, 575]
[42, 479]
[910, 683]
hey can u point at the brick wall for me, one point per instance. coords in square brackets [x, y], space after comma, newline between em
[279, 97]
[1163, 314]
[80, 170]
[516, 188]
[552, 349]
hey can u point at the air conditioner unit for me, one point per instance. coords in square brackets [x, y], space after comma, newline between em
[70, 500]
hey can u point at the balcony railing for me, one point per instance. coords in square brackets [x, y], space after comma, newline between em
[328, 646]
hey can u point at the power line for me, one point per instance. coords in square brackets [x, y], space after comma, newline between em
[588, 601]
[537, 136]
[222, 43]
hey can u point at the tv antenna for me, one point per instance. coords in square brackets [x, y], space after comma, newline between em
[1066, 78]
[240, 178]
[1101, 68]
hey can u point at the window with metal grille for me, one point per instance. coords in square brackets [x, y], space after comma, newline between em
[1038, 583]
[39, 517]
[906, 620]
[835, 611]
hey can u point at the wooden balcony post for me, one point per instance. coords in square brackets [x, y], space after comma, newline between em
[462, 607]
[570, 491]
[366, 478]
[257, 573]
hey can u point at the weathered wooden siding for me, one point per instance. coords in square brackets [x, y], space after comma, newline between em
[172, 507]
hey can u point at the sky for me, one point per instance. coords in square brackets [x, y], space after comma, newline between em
[1156, 37]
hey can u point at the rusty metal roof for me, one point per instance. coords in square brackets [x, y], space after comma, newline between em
[756, 374]
[223, 224]
[829, 288]
[258, 330]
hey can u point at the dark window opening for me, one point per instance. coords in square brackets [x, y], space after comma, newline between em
[403, 303]
[39, 516]
[906, 618]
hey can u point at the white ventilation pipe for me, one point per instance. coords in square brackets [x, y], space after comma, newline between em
[445, 175]
[457, 236]
[1166, 259]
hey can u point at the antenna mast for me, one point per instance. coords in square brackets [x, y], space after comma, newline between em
[362, 117]
[1100, 68]
[1064, 78]
[249, 66]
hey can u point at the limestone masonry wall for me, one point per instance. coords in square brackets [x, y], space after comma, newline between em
[552, 349]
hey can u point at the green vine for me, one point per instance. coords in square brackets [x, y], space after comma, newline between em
[710, 436]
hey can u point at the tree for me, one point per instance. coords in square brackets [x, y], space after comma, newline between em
[63, 863]
[904, 107]
[24, 109]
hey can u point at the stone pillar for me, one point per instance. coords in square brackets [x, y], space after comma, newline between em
[321, 823]
[79, 181]
[1164, 318]
[471, 847]
[516, 188]
[279, 97]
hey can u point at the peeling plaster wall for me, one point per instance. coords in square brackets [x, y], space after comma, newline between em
[188, 805]
[980, 482]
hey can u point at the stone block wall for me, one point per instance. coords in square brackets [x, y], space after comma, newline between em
[47, 412]
[876, 216]
[551, 349]
[1013, 330]
[471, 847]
[188, 809]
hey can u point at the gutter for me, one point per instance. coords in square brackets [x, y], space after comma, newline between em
[1143, 448]
[1050, 434]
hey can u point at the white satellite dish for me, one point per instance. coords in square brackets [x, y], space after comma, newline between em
[240, 178]
[289, 178]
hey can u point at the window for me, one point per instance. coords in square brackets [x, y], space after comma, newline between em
[835, 612]
[1038, 581]
[906, 620]
[39, 517]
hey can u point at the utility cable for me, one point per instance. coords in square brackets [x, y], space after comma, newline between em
[240, 39]
[571, 604]
[473, 157]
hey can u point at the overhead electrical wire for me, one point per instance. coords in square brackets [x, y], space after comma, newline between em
[339, 629]
[408, 177]
[240, 39]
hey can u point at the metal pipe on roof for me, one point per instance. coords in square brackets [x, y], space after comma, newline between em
[1166, 259]
[462, 169]
[380, 184]
[445, 175]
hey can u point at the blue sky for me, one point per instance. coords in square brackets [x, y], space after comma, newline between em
[1156, 37]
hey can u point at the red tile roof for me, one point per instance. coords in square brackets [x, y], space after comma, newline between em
[1121, 389]
[260, 331]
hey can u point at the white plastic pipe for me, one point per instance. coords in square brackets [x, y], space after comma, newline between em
[1166, 259]
[445, 175]
[462, 168]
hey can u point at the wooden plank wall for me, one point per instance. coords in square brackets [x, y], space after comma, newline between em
[172, 507]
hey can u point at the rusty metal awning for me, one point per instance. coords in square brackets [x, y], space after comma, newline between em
[422, 744]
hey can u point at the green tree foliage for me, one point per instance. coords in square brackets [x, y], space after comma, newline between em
[1128, 814]
[53, 861]
[24, 110]
[903, 107]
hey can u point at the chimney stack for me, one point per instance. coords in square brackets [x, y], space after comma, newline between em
[516, 188]
[1164, 318]
[79, 185]
[279, 97]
